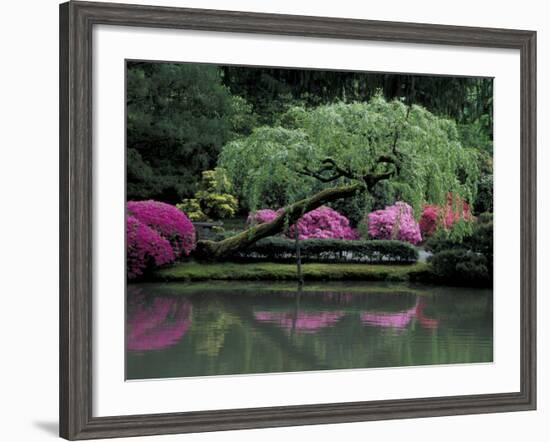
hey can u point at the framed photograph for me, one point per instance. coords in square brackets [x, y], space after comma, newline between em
[272, 220]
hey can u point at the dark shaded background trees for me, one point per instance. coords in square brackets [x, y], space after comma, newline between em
[179, 117]
[270, 90]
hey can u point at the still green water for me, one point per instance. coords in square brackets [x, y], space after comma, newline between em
[178, 330]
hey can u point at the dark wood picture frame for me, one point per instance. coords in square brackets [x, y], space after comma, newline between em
[76, 243]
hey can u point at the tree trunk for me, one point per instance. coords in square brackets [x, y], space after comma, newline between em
[219, 249]
[298, 257]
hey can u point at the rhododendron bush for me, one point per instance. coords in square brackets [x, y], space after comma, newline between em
[156, 234]
[322, 222]
[144, 248]
[434, 217]
[394, 222]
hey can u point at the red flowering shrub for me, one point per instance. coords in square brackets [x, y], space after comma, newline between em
[144, 248]
[394, 222]
[434, 216]
[156, 234]
[170, 222]
[429, 219]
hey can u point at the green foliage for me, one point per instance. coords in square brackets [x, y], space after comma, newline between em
[484, 200]
[354, 208]
[471, 235]
[468, 261]
[456, 236]
[267, 167]
[192, 208]
[269, 271]
[461, 267]
[330, 250]
[476, 135]
[211, 201]
[178, 118]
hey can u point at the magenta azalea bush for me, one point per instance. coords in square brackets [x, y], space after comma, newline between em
[144, 248]
[156, 234]
[324, 222]
[170, 222]
[394, 222]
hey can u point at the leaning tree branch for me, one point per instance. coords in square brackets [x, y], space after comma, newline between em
[291, 214]
[328, 165]
[340, 170]
[318, 174]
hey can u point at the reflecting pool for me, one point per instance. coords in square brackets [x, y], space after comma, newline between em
[179, 330]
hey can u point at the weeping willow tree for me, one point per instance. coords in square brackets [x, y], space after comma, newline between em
[317, 156]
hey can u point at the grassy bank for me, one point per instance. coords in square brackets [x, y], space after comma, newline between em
[195, 271]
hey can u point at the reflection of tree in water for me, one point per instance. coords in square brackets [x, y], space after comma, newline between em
[158, 323]
[213, 322]
[400, 319]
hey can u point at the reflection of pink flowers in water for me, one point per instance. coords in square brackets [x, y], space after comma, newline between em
[401, 319]
[303, 321]
[157, 325]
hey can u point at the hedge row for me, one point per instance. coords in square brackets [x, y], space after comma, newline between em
[330, 250]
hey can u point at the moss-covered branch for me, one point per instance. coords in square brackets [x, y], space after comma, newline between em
[218, 249]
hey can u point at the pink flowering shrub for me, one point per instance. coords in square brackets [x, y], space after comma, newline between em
[170, 222]
[434, 216]
[156, 234]
[261, 216]
[144, 248]
[394, 222]
[323, 222]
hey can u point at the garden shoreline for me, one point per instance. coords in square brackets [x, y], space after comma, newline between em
[231, 271]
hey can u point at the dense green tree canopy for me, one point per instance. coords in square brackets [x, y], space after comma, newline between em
[416, 153]
[178, 116]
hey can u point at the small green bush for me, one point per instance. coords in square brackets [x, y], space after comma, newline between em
[212, 201]
[469, 262]
[457, 236]
[461, 267]
[192, 208]
[330, 250]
